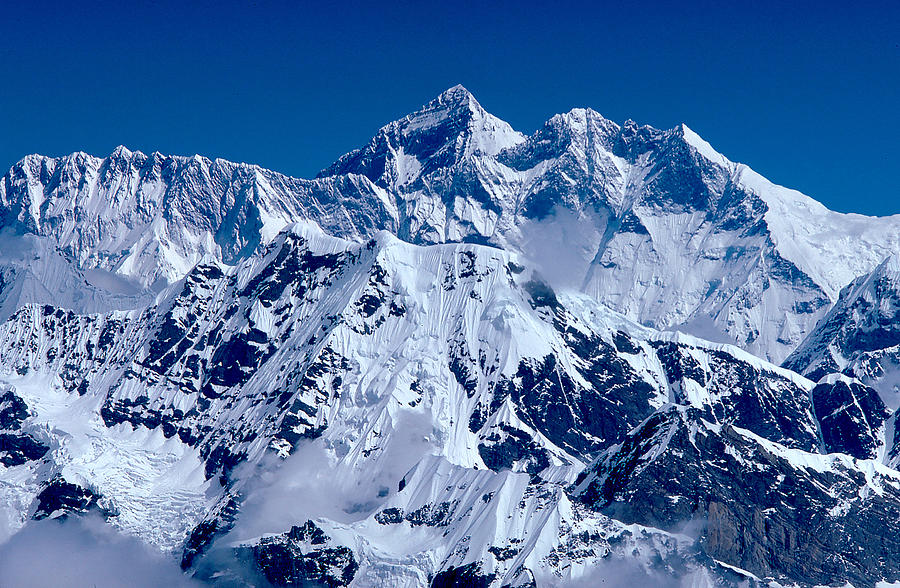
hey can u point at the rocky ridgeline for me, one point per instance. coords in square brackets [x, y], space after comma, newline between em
[376, 356]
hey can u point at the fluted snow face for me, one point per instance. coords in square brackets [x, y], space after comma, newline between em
[655, 224]
[153, 218]
[433, 403]
[452, 351]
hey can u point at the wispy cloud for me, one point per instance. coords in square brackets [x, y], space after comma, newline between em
[84, 552]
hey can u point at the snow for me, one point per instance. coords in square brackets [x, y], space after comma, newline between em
[156, 485]
[703, 148]
[394, 409]
[683, 275]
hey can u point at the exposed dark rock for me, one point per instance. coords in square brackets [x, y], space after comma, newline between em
[625, 344]
[541, 294]
[467, 576]
[429, 515]
[463, 367]
[292, 263]
[16, 449]
[851, 417]
[13, 411]
[60, 498]
[302, 557]
[390, 516]
[504, 553]
[505, 447]
[216, 523]
[762, 512]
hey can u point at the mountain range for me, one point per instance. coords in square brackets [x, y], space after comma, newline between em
[459, 356]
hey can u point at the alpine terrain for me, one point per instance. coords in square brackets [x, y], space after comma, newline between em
[460, 356]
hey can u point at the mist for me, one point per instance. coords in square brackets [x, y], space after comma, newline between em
[315, 483]
[563, 245]
[618, 572]
[84, 552]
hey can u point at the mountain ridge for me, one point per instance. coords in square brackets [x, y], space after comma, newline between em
[462, 356]
[363, 356]
[714, 231]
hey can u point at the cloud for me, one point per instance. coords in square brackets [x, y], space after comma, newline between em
[563, 245]
[313, 483]
[16, 247]
[320, 480]
[84, 552]
[614, 573]
[642, 564]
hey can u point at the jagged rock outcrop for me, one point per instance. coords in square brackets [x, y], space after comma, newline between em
[426, 367]
[776, 512]
[860, 335]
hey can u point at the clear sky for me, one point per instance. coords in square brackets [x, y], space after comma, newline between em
[805, 93]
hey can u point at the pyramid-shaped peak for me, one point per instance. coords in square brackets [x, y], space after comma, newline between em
[443, 132]
[882, 281]
[456, 94]
[582, 119]
[121, 151]
[455, 101]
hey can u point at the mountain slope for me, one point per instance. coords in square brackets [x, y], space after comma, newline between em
[426, 407]
[860, 333]
[653, 223]
[803, 505]
[151, 218]
[449, 360]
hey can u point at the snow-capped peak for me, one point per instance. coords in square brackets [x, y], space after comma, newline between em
[702, 147]
[457, 96]
[122, 151]
[445, 131]
[486, 133]
[434, 397]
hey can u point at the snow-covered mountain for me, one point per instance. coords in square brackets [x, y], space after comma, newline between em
[859, 338]
[442, 396]
[427, 366]
[866, 318]
[152, 217]
[655, 224]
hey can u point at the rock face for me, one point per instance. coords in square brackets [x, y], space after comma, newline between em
[851, 417]
[375, 378]
[767, 509]
[301, 557]
[860, 335]
[16, 447]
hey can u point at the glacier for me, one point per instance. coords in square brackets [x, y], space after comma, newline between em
[460, 356]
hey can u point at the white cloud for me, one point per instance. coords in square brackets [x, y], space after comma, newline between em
[84, 552]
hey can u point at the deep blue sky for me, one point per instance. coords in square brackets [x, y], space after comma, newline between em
[807, 95]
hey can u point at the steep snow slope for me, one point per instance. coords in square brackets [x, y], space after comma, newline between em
[32, 271]
[426, 407]
[655, 224]
[860, 335]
